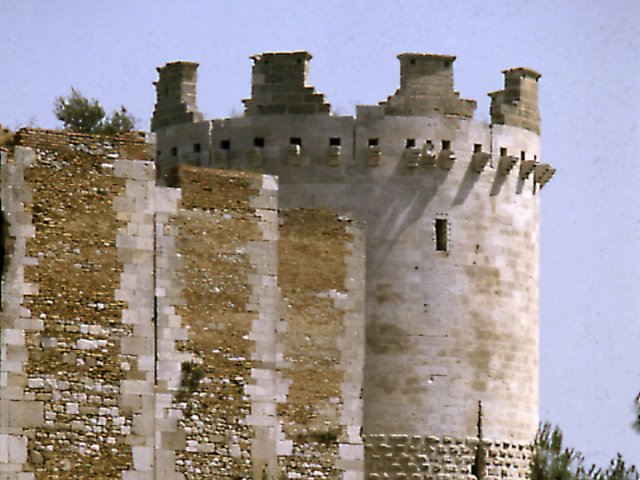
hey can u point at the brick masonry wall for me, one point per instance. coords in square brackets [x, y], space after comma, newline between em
[443, 458]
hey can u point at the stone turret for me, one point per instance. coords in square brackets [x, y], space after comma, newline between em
[426, 86]
[280, 86]
[517, 104]
[176, 95]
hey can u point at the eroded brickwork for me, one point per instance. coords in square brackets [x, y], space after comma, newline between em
[212, 226]
[314, 251]
[443, 458]
[73, 363]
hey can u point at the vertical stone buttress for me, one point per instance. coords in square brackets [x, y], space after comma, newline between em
[135, 242]
[19, 413]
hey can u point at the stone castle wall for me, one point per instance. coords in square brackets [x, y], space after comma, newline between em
[142, 333]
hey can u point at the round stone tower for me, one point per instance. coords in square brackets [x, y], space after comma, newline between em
[451, 206]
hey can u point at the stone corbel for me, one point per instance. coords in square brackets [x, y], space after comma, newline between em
[374, 154]
[293, 154]
[412, 156]
[334, 155]
[506, 164]
[526, 167]
[543, 173]
[256, 156]
[446, 159]
[479, 160]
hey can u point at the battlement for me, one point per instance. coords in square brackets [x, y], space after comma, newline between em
[426, 86]
[280, 86]
[517, 103]
[176, 95]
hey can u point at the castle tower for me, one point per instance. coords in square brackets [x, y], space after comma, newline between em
[451, 207]
[176, 95]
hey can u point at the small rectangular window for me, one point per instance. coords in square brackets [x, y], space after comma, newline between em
[477, 148]
[295, 141]
[373, 142]
[225, 144]
[442, 243]
[334, 142]
[523, 155]
[258, 142]
[174, 151]
[196, 147]
[503, 151]
[410, 143]
[446, 144]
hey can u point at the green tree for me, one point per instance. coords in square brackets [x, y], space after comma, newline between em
[79, 114]
[553, 461]
[550, 459]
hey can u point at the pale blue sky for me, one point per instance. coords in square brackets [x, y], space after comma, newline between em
[587, 51]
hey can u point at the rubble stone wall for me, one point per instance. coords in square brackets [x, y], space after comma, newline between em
[142, 334]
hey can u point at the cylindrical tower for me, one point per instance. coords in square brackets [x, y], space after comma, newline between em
[451, 207]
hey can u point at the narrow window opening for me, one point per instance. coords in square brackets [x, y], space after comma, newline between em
[446, 144]
[477, 147]
[295, 141]
[174, 151]
[159, 152]
[503, 152]
[334, 142]
[410, 143]
[412, 61]
[225, 144]
[441, 235]
[523, 155]
[258, 142]
[197, 148]
[373, 142]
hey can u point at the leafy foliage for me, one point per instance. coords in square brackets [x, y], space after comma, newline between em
[192, 375]
[552, 461]
[79, 114]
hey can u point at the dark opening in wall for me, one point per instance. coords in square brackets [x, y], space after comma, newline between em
[446, 144]
[410, 143]
[373, 142]
[441, 227]
[334, 141]
[412, 61]
[197, 148]
[295, 141]
[225, 144]
[503, 151]
[477, 147]
[258, 142]
[523, 155]
[174, 151]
